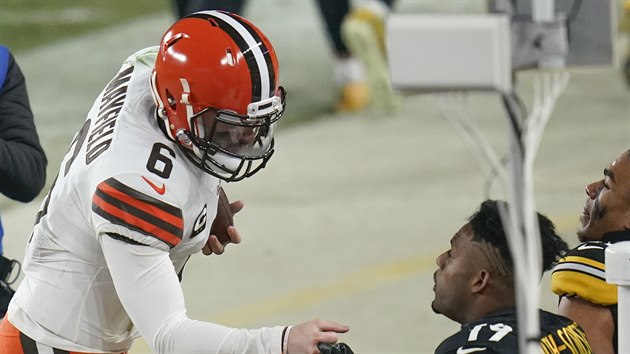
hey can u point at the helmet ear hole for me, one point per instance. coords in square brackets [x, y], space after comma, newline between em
[170, 100]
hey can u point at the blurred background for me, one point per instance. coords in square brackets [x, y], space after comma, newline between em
[84, 43]
[348, 217]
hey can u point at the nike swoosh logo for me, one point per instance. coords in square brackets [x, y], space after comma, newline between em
[159, 190]
[589, 247]
[461, 350]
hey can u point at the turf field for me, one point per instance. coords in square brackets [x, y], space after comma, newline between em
[28, 23]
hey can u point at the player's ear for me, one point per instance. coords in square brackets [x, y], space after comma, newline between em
[481, 281]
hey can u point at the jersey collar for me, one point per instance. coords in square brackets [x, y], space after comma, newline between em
[616, 236]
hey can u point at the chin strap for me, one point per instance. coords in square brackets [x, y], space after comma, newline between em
[156, 97]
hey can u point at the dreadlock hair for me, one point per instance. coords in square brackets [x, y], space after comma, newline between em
[487, 227]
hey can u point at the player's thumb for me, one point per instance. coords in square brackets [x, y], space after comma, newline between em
[237, 206]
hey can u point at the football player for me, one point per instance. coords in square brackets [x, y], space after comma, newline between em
[579, 279]
[135, 195]
[474, 285]
[356, 32]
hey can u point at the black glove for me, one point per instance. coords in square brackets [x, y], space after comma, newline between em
[6, 266]
[338, 348]
[6, 293]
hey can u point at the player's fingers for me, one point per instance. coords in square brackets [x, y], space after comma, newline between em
[235, 236]
[329, 326]
[327, 337]
[237, 206]
[206, 250]
[215, 245]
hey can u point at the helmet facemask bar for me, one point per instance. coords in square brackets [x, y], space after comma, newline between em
[232, 146]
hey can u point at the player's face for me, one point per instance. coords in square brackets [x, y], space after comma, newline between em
[456, 268]
[607, 206]
[231, 138]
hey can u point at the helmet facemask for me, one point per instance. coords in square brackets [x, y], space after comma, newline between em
[232, 146]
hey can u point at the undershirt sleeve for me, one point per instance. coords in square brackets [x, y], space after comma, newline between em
[149, 290]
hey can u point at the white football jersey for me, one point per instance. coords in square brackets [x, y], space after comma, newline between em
[121, 176]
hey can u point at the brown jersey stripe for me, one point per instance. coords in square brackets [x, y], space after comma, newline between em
[151, 215]
[124, 206]
[120, 217]
[116, 184]
[141, 207]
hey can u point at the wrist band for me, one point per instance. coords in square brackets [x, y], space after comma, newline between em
[285, 339]
[284, 332]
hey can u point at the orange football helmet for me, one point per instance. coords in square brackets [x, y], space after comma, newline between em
[215, 84]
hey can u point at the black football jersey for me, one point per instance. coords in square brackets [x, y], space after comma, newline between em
[497, 333]
[582, 272]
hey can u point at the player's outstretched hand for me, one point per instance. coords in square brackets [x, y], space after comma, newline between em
[305, 337]
[222, 230]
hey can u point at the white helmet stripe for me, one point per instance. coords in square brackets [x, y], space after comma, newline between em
[254, 46]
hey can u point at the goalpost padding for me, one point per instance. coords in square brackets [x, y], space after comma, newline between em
[449, 52]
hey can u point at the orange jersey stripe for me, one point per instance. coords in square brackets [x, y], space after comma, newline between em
[123, 205]
[174, 220]
[139, 223]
